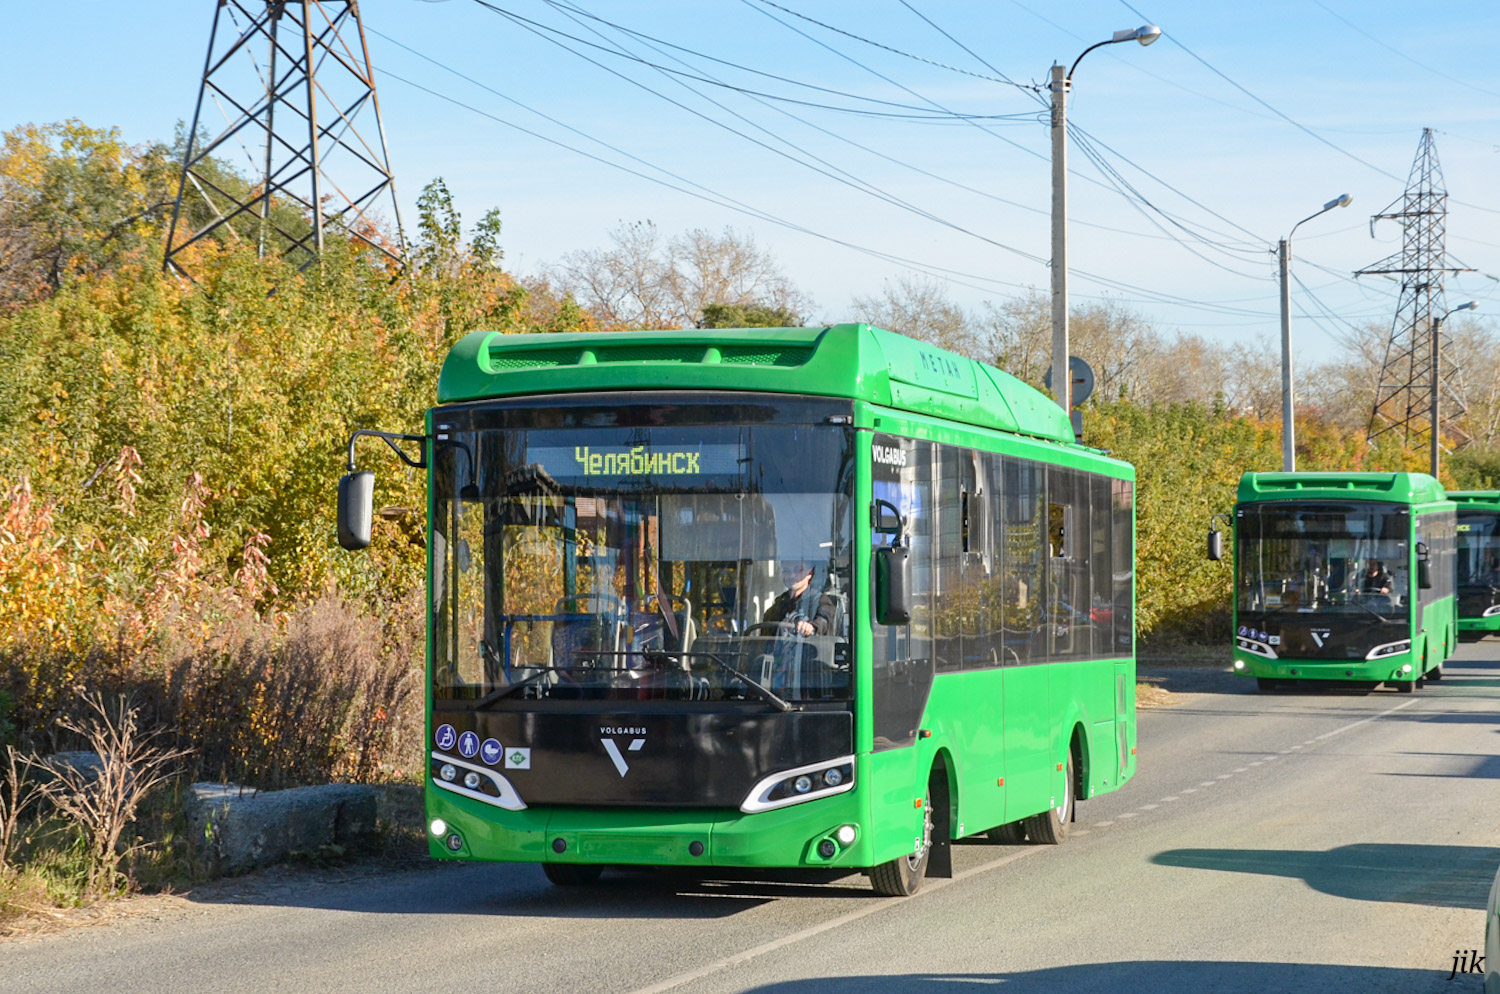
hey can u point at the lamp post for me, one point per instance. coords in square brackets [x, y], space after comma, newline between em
[1436, 424]
[1288, 414]
[1062, 379]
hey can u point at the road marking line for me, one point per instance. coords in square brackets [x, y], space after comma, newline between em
[879, 904]
[1223, 776]
[1209, 783]
[1243, 769]
[1149, 807]
[1257, 762]
[1166, 800]
[1188, 790]
[1080, 831]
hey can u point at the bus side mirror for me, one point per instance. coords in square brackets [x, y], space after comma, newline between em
[1424, 571]
[892, 585]
[356, 508]
[1215, 545]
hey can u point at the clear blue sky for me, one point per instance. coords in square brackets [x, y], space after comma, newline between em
[1363, 76]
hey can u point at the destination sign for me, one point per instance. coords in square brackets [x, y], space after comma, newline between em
[637, 461]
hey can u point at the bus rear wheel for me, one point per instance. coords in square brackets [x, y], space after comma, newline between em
[572, 874]
[1050, 828]
[903, 876]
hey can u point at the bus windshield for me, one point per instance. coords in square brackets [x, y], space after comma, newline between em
[1478, 547]
[1332, 560]
[666, 563]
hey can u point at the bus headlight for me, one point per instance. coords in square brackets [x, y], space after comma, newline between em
[1389, 649]
[1490, 612]
[805, 783]
[438, 826]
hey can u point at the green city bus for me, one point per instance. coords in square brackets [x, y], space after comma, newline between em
[801, 598]
[1478, 566]
[1343, 576]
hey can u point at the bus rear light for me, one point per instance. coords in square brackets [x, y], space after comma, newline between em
[1390, 649]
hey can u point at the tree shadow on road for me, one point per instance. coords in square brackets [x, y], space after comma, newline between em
[1436, 876]
[1144, 975]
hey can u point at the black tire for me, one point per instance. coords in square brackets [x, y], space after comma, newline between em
[903, 876]
[1265, 684]
[1010, 834]
[1405, 686]
[572, 874]
[1436, 673]
[1050, 828]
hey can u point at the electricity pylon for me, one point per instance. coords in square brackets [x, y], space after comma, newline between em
[299, 101]
[1405, 391]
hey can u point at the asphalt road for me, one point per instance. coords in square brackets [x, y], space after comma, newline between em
[1292, 842]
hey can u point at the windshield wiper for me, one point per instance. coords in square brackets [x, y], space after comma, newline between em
[508, 689]
[770, 695]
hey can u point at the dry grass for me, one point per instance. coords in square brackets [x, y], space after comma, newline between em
[1149, 695]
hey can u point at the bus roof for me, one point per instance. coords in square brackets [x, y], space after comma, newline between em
[1476, 498]
[843, 360]
[1398, 488]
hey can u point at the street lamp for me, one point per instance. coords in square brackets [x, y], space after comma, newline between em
[1288, 417]
[1063, 380]
[1436, 324]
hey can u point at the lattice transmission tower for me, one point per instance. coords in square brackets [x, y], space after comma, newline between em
[293, 83]
[1404, 392]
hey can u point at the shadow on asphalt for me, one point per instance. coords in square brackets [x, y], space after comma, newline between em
[1436, 876]
[520, 890]
[1481, 767]
[1143, 975]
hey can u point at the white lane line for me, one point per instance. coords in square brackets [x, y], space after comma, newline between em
[1223, 776]
[1243, 769]
[1167, 800]
[1103, 824]
[1209, 783]
[879, 904]
[1188, 790]
[1149, 807]
[1257, 762]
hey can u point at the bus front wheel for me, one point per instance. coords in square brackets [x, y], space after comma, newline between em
[903, 876]
[572, 874]
[1050, 828]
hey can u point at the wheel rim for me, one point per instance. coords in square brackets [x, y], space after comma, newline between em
[915, 859]
[1062, 809]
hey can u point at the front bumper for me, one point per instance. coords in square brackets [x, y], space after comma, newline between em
[1383, 670]
[782, 838]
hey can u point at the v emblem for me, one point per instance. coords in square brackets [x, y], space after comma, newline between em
[617, 757]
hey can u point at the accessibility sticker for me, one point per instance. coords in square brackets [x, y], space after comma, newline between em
[445, 736]
[491, 751]
[518, 759]
[468, 745]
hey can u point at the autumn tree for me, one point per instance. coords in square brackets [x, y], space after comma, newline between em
[920, 308]
[643, 280]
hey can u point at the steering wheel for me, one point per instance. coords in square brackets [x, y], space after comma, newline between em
[775, 629]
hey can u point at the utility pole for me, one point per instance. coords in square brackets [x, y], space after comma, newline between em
[1288, 407]
[293, 79]
[1437, 425]
[1062, 379]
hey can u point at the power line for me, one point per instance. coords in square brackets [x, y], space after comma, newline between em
[1396, 51]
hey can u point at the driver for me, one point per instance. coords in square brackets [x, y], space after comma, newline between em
[796, 605]
[1375, 580]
